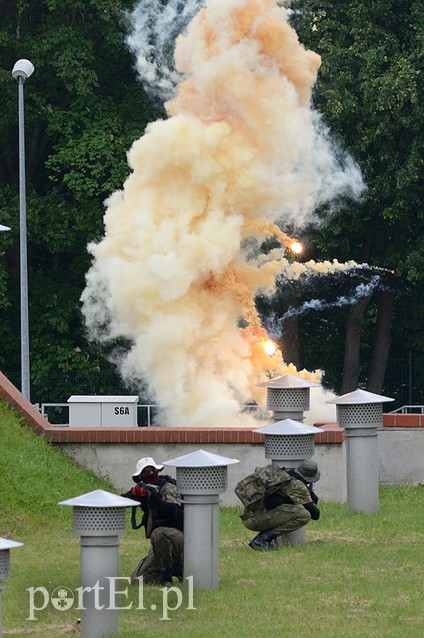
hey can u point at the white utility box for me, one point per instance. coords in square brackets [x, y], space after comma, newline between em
[103, 411]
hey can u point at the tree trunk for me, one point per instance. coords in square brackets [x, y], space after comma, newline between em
[380, 354]
[289, 342]
[352, 345]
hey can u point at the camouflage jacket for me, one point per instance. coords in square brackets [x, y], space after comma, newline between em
[297, 492]
[294, 492]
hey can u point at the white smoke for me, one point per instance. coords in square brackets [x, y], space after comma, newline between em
[360, 291]
[242, 148]
[320, 410]
[155, 26]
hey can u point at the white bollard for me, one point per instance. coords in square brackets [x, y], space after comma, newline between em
[5, 546]
[99, 517]
[288, 443]
[360, 413]
[201, 477]
[201, 539]
[287, 396]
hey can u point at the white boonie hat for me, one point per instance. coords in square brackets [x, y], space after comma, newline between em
[147, 461]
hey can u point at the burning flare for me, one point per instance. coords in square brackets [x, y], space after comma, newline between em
[296, 247]
[241, 150]
[269, 347]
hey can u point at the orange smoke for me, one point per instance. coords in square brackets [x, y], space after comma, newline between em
[274, 365]
[245, 93]
[238, 153]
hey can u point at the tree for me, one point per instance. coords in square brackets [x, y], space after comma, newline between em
[370, 92]
[318, 305]
[83, 109]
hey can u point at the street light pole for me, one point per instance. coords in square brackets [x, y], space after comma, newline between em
[21, 71]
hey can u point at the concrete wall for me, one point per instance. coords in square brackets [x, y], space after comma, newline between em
[113, 452]
[401, 452]
[117, 463]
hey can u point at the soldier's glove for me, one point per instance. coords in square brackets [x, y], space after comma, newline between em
[139, 492]
[149, 487]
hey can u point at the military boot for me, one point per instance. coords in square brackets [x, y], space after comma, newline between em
[177, 569]
[263, 540]
[165, 578]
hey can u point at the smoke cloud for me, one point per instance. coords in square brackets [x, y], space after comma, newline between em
[155, 26]
[360, 291]
[242, 149]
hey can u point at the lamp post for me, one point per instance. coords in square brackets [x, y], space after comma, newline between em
[4, 227]
[22, 70]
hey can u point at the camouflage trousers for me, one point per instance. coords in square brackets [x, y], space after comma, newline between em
[281, 520]
[167, 546]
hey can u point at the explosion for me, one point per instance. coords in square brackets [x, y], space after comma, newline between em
[241, 150]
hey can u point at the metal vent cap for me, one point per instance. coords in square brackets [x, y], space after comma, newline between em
[200, 458]
[287, 427]
[359, 397]
[287, 381]
[99, 513]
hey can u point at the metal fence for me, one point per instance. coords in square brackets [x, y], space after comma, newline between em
[59, 386]
[58, 413]
[404, 382]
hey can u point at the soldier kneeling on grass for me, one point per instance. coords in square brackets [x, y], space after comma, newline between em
[288, 502]
[163, 523]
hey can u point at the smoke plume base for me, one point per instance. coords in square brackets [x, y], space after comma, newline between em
[242, 150]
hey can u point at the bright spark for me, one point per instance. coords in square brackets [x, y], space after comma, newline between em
[269, 347]
[296, 247]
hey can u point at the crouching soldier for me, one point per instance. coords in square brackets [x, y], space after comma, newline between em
[162, 520]
[286, 504]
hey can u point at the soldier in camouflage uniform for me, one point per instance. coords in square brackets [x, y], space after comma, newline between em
[285, 510]
[163, 523]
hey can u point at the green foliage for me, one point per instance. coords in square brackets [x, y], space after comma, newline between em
[370, 91]
[34, 478]
[83, 109]
[318, 304]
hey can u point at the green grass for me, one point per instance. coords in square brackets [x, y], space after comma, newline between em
[358, 575]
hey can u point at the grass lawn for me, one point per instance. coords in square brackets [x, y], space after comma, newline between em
[357, 576]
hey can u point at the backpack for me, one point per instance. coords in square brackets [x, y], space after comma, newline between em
[264, 480]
